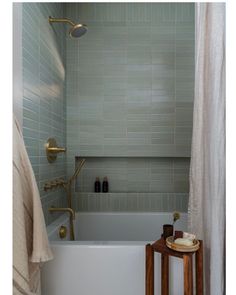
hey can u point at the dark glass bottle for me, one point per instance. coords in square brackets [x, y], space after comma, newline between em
[105, 185]
[97, 185]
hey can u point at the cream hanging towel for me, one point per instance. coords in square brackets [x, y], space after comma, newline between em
[30, 241]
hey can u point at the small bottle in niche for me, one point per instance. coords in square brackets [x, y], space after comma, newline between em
[97, 185]
[105, 185]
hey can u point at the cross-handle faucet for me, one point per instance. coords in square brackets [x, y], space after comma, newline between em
[72, 217]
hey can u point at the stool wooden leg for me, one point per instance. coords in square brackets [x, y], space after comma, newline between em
[164, 274]
[188, 275]
[199, 270]
[149, 270]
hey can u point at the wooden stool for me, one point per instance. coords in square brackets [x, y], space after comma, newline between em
[160, 246]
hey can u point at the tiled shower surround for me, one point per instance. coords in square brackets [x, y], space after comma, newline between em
[44, 104]
[121, 96]
[129, 88]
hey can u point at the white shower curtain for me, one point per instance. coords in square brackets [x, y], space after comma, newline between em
[207, 171]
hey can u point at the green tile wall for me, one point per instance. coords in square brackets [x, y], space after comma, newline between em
[130, 80]
[44, 104]
[125, 89]
[129, 87]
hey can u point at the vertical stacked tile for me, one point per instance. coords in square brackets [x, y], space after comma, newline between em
[44, 106]
[129, 88]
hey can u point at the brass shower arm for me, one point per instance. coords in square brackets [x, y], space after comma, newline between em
[60, 20]
[60, 209]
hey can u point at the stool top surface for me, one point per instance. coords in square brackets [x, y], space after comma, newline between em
[160, 246]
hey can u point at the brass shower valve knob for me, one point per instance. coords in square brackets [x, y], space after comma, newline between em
[58, 182]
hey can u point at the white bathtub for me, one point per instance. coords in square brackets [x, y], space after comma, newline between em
[108, 257]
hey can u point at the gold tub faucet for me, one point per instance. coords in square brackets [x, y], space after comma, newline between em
[72, 217]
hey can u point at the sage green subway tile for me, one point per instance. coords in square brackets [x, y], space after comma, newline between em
[165, 46]
[110, 12]
[93, 110]
[90, 86]
[163, 120]
[29, 114]
[113, 128]
[163, 71]
[134, 33]
[137, 126]
[95, 57]
[114, 141]
[93, 203]
[139, 150]
[115, 203]
[183, 117]
[115, 150]
[181, 186]
[139, 140]
[140, 186]
[114, 86]
[88, 70]
[115, 57]
[138, 108]
[87, 11]
[164, 150]
[185, 32]
[183, 150]
[184, 46]
[114, 111]
[185, 71]
[139, 57]
[138, 13]
[155, 204]
[163, 12]
[184, 203]
[90, 139]
[183, 138]
[118, 43]
[31, 124]
[31, 142]
[185, 12]
[115, 135]
[91, 149]
[116, 30]
[165, 204]
[161, 58]
[163, 129]
[158, 36]
[114, 70]
[134, 175]
[163, 163]
[138, 96]
[114, 98]
[139, 71]
[162, 138]
[105, 202]
[181, 163]
[132, 202]
[163, 107]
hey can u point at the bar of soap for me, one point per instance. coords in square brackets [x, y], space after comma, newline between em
[184, 242]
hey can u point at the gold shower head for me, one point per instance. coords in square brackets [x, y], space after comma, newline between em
[76, 31]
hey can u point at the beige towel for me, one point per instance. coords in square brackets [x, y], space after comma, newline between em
[30, 241]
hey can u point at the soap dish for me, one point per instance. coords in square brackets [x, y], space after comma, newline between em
[181, 248]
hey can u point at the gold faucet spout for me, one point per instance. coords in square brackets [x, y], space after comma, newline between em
[72, 216]
[69, 210]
